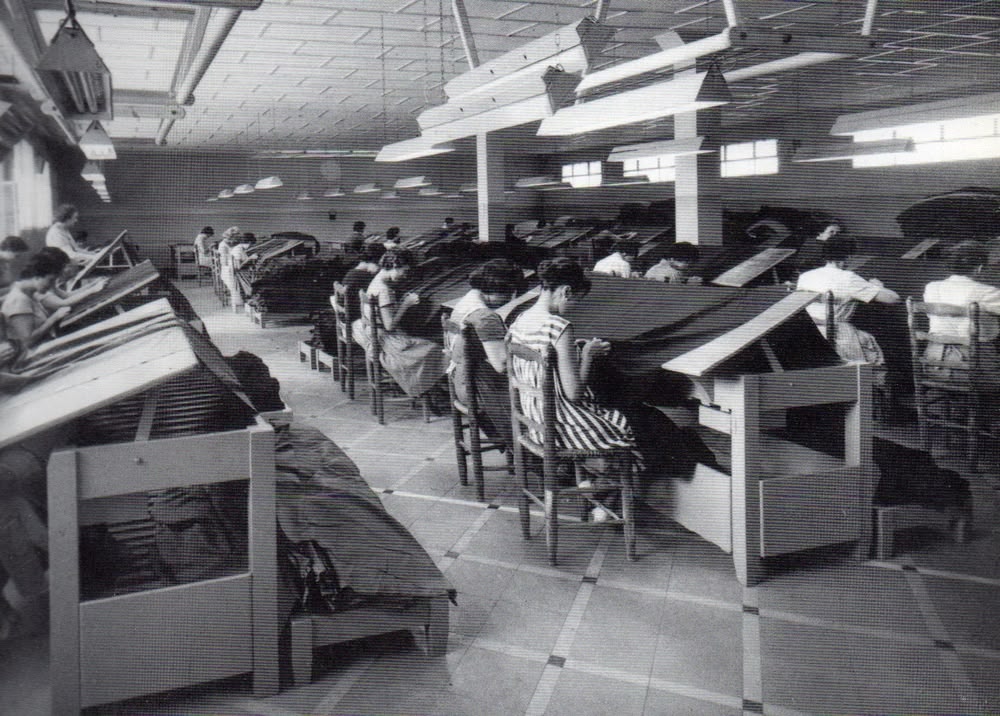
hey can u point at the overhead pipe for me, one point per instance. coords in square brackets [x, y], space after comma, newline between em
[465, 32]
[184, 94]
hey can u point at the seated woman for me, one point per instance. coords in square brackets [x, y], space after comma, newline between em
[416, 364]
[56, 298]
[493, 284]
[26, 318]
[848, 289]
[966, 260]
[581, 424]
[675, 266]
[201, 246]
[13, 251]
[358, 278]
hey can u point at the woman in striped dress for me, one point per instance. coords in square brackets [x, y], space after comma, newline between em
[581, 424]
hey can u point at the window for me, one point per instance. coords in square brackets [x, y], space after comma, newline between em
[660, 168]
[953, 140]
[750, 158]
[582, 174]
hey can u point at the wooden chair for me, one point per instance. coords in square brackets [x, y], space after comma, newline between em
[531, 376]
[345, 342]
[378, 379]
[466, 416]
[950, 395]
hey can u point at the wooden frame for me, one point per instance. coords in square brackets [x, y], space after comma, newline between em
[378, 379]
[345, 341]
[120, 286]
[524, 425]
[779, 497]
[101, 254]
[465, 416]
[110, 649]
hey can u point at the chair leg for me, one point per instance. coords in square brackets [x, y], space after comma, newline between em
[973, 422]
[475, 447]
[524, 503]
[883, 533]
[425, 406]
[628, 516]
[551, 525]
[460, 455]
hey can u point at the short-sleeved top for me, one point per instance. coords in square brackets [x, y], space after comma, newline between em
[962, 291]
[847, 288]
[18, 303]
[386, 295]
[471, 310]
[614, 265]
[663, 271]
[225, 255]
[355, 280]
[59, 237]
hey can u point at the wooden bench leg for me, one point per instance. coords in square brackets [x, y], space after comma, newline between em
[302, 650]
[884, 528]
[436, 629]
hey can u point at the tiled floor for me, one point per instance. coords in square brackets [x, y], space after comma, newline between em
[672, 633]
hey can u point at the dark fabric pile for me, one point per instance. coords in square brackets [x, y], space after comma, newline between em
[911, 477]
[293, 286]
[324, 331]
[259, 386]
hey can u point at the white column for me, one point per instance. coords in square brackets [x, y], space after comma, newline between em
[698, 188]
[490, 177]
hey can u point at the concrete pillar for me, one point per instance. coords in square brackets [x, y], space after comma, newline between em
[490, 180]
[698, 188]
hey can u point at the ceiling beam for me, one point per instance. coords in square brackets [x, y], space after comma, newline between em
[119, 8]
[465, 32]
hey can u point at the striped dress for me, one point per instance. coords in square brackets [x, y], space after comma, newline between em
[583, 425]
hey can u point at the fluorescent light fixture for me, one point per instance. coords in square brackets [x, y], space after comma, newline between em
[244, 189]
[539, 182]
[687, 92]
[92, 172]
[370, 188]
[96, 144]
[669, 147]
[960, 108]
[333, 193]
[303, 196]
[792, 62]
[227, 194]
[271, 182]
[75, 75]
[843, 151]
[314, 153]
[430, 191]
[415, 148]
[411, 183]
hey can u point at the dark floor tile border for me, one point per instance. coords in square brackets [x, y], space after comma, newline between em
[558, 661]
[754, 707]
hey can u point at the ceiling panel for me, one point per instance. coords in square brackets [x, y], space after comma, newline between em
[323, 71]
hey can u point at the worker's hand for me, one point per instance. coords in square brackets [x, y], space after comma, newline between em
[595, 348]
[61, 313]
[411, 299]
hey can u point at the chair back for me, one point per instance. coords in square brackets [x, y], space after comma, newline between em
[918, 314]
[375, 322]
[531, 381]
[828, 323]
[339, 303]
[451, 331]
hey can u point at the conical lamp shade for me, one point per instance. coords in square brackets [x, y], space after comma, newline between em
[271, 182]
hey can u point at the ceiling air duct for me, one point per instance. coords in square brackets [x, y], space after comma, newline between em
[74, 74]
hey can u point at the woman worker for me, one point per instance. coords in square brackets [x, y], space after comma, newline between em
[416, 364]
[25, 317]
[581, 424]
[60, 235]
[493, 284]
